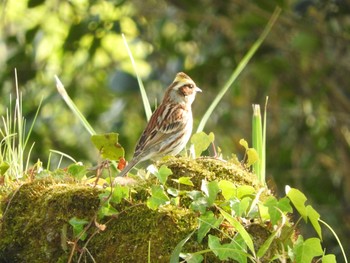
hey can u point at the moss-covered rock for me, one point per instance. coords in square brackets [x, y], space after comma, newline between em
[35, 218]
[35, 227]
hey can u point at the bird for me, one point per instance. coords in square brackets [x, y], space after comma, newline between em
[170, 125]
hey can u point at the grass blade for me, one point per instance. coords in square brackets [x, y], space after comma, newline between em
[257, 140]
[73, 107]
[144, 97]
[239, 69]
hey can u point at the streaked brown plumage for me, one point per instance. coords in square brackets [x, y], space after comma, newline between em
[170, 126]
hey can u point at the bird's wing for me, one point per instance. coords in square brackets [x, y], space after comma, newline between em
[162, 123]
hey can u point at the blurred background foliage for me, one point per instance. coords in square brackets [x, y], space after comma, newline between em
[303, 66]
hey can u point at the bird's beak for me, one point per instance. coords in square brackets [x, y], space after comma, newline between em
[198, 89]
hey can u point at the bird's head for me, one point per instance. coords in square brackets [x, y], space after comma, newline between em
[183, 89]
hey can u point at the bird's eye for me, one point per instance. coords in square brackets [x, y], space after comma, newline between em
[190, 86]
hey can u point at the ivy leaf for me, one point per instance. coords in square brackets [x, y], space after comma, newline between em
[305, 251]
[275, 207]
[185, 180]
[78, 227]
[163, 173]
[207, 221]
[245, 190]
[158, 197]
[252, 154]
[77, 171]
[107, 210]
[4, 166]
[120, 192]
[199, 203]
[201, 142]
[108, 145]
[228, 189]
[240, 206]
[298, 199]
[314, 217]
[307, 212]
[329, 259]
[234, 250]
[211, 190]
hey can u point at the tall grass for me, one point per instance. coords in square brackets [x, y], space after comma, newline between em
[15, 152]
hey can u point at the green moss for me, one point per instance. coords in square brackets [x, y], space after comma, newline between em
[34, 216]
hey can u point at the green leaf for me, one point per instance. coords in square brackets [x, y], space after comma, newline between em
[185, 180]
[207, 221]
[264, 247]
[201, 142]
[173, 191]
[192, 258]
[211, 190]
[329, 259]
[177, 250]
[228, 189]
[163, 173]
[252, 154]
[158, 197]
[199, 203]
[275, 208]
[245, 190]
[78, 227]
[240, 207]
[108, 146]
[241, 230]
[244, 143]
[234, 250]
[4, 166]
[77, 171]
[298, 199]
[305, 251]
[314, 217]
[119, 193]
[107, 210]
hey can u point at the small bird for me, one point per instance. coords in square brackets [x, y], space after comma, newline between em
[170, 126]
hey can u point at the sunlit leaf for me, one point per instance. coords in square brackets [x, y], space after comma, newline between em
[4, 166]
[185, 180]
[240, 206]
[228, 189]
[201, 142]
[211, 189]
[305, 251]
[245, 190]
[108, 145]
[298, 199]
[163, 173]
[158, 197]
[120, 192]
[314, 217]
[329, 259]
